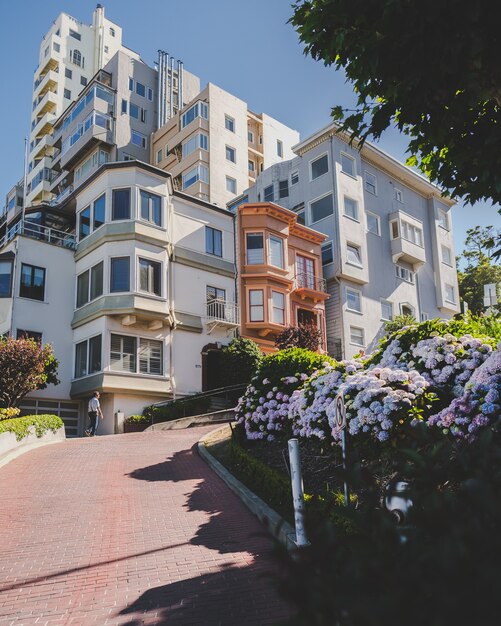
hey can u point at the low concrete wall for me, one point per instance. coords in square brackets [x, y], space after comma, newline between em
[10, 448]
[216, 417]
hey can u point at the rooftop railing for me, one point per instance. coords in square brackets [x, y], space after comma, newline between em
[42, 233]
[310, 281]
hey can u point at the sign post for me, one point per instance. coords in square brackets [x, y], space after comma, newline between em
[340, 425]
[297, 492]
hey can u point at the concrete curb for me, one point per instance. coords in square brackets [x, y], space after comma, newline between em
[13, 448]
[278, 527]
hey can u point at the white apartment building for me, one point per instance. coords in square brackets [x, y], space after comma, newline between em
[215, 147]
[137, 280]
[390, 246]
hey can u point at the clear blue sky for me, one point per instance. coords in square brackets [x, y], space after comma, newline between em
[244, 47]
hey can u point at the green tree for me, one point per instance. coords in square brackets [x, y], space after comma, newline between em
[480, 268]
[430, 68]
[25, 365]
[239, 361]
[305, 336]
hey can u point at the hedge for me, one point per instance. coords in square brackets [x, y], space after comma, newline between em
[196, 405]
[20, 426]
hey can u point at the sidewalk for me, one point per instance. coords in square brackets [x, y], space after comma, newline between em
[129, 529]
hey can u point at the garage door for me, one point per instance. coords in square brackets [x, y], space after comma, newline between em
[67, 411]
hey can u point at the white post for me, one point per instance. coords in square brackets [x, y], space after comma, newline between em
[297, 492]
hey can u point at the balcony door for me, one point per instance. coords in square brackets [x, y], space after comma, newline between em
[306, 318]
[305, 272]
[216, 303]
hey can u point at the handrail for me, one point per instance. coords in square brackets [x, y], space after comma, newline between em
[305, 280]
[203, 394]
[40, 232]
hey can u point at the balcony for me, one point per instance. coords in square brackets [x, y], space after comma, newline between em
[407, 239]
[310, 286]
[47, 82]
[221, 314]
[46, 104]
[96, 128]
[41, 233]
[41, 147]
[43, 126]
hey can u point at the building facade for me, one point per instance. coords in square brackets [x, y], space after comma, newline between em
[389, 247]
[215, 146]
[129, 290]
[280, 274]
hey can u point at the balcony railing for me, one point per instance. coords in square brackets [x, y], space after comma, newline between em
[42, 233]
[221, 313]
[310, 282]
[64, 194]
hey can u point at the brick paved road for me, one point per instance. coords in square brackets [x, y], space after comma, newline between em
[131, 529]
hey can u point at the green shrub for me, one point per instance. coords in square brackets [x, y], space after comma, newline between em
[20, 426]
[239, 361]
[138, 419]
[195, 405]
[8, 413]
[291, 362]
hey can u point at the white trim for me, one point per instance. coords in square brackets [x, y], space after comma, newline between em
[317, 158]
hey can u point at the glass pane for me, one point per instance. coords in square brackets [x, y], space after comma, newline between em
[121, 204]
[95, 354]
[96, 283]
[321, 208]
[276, 252]
[99, 208]
[82, 289]
[319, 167]
[84, 229]
[119, 274]
[5, 278]
[81, 359]
[255, 251]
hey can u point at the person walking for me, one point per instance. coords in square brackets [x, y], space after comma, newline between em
[95, 413]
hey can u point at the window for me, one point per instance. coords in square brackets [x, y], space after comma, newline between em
[276, 251]
[123, 107]
[32, 282]
[200, 172]
[231, 154]
[166, 150]
[353, 255]
[255, 248]
[353, 300]
[149, 276]
[29, 334]
[404, 274]
[424, 316]
[199, 109]
[76, 57]
[283, 189]
[120, 274]
[319, 166]
[150, 357]
[280, 148]
[299, 211]
[351, 208]
[449, 294]
[96, 281]
[123, 353]
[159, 155]
[412, 233]
[347, 164]
[229, 123]
[151, 207]
[95, 354]
[120, 204]
[150, 94]
[250, 136]
[75, 35]
[256, 305]
[443, 219]
[294, 178]
[83, 81]
[131, 84]
[84, 223]
[357, 336]
[56, 46]
[112, 32]
[199, 141]
[321, 208]
[99, 207]
[67, 94]
[134, 110]
[399, 197]
[305, 272]
[5, 279]
[68, 73]
[373, 223]
[327, 254]
[82, 289]
[106, 49]
[278, 307]
[140, 89]
[370, 182]
[446, 255]
[138, 139]
[231, 184]
[90, 285]
[386, 310]
[81, 359]
[251, 166]
[406, 309]
[268, 194]
[213, 241]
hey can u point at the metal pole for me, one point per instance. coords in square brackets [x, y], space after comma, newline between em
[345, 467]
[297, 492]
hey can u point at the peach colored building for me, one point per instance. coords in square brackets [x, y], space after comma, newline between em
[280, 273]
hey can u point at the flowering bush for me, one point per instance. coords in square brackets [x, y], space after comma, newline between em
[8, 413]
[478, 406]
[380, 400]
[264, 408]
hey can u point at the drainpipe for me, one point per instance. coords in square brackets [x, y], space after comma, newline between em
[235, 264]
[337, 244]
[418, 294]
[170, 222]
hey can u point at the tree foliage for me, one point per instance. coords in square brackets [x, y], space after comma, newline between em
[431, 69]
[25, 365]
[305, 336]
[240, 360]
[480, 267]
[399, 321]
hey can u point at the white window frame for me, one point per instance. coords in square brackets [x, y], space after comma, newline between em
[358, 253]
[144, 347]
[313, 201]
[358, 296]
[448, 260]
[232, 152]
[378, 222]
[282, 250]
[443, 219]
[398, 195]
[201, 173]
[386, 303]
[369, 186]
[229, 123]
[450, 293]
[273, 307]
[201, 109]
[231, 182]
[348, 200]
[362, 332]
[320, 156]
[258, 305]
[325, 245]
[280, 148]
[352, 174]
[295, 177]
[404, 274]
